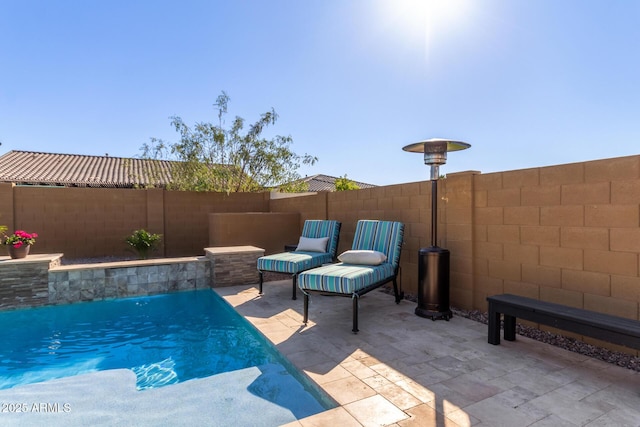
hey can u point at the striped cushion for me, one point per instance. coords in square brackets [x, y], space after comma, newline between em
[381, 236]
[292, 262]
[365, 233]
[388, 240]
[315, 228]
[344, 278]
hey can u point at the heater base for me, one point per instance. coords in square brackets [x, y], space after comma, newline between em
[433, 283]
[434, 315]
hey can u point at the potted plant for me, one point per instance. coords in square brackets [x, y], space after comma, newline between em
[142, 242]
[19, 243]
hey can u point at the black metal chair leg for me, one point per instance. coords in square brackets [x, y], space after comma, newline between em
[306, 309]
[355, 315]
[399, 295]
[260, 286]
[295, 287]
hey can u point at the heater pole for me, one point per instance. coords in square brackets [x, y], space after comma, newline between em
[434, 212]
[433, 262]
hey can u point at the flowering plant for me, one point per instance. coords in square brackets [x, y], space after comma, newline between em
[19, 238]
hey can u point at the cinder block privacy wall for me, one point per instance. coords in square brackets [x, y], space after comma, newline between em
[266, 230]
[93, 222]
[567, 233]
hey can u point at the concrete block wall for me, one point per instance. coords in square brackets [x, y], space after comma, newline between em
[186, 216]
[94, 222]
[6, 204]
[456, 233]
[267, 230]
[78, 222]
[310, 206]
[568, 234]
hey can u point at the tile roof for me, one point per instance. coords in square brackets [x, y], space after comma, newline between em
[75, 170]
[328, 183]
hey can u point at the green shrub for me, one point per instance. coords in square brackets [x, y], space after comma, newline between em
[143, 243]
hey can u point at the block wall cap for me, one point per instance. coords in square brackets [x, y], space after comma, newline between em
[31, 258]
[225, 250]
[130, 263]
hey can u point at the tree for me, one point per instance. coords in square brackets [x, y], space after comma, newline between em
[345, 184]
[212, 157]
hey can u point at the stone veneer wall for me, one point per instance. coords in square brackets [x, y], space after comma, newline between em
[41, 279]
[91, 282]
[23, 282]
[234, 265]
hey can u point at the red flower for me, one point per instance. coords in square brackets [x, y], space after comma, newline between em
[19, 238]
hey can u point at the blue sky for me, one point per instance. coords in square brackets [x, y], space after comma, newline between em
[527, 83]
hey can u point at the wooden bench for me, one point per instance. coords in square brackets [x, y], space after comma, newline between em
[605, 327]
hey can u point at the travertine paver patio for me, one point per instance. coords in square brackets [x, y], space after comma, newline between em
[404, 370]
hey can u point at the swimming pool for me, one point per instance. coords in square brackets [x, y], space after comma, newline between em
[164, 339]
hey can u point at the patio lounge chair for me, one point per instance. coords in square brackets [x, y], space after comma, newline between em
[373, 261]
[318, 245]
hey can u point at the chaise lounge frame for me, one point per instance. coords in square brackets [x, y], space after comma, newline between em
[369, 235]
[294, 262]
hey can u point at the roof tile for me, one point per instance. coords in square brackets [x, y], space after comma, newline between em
[28, 167]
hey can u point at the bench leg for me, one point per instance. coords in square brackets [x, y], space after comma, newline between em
[260, 285]
[355, 314]
[509, 328]
[494, 326]
[306, 309]
[295, 287]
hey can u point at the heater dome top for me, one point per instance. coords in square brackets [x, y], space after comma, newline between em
[436, 144]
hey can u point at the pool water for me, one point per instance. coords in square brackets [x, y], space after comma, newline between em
[164, 339]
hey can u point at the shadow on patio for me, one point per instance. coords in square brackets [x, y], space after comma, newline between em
[404, 370]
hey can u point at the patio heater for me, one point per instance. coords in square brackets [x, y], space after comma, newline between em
[433, 262]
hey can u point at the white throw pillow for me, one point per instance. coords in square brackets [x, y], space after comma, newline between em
[310, 244]
[362, 257]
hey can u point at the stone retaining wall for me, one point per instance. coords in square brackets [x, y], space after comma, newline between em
[24, 282]
[41, 279]
[234, 265]
[90, 282]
